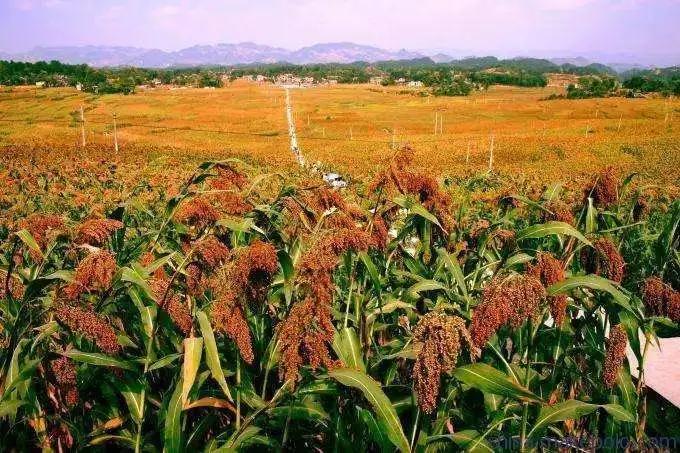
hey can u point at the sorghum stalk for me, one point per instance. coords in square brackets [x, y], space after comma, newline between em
[525, 412]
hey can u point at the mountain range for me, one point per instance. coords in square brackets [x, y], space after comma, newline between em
[219, 54]
[249, 52]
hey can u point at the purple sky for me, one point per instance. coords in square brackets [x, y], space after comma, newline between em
[500, 27]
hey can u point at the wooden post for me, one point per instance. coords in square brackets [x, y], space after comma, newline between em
[441, 124]
[491, 154]
[351, 135]
[115, 133]
[435, 123]
[82, 126]
[467, 155]
[323, 130]
[619, 126]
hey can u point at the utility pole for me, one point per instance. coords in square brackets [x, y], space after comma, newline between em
[351, 135]
[467, 155]
[82, 126]
[115, 133]
[491, 154]
[435, 123]
[441, 124]
[619, 126]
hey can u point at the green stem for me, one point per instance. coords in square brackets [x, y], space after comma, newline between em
[525, 412]
[415, 429]
[238, 392]
[349, 297]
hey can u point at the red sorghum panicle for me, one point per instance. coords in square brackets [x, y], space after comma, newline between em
[478, 229]
[421, 185]
[503, 239]
[96, 231]
[322, 199]
[60, 437]
[559, 211]
[253, 269]
[616, 352]
[227, 178]
[94, 273]
[64, 372]
[87, 323]
[604, 259]
[42, 228]
[507, 300]
[661, 299]
[211, 252]
[305, 335]
[246, 279]
[442, 338]
[233, 204]
[605, 188]
[641, 208]
[228, 317]
[307, 331]
[171, 304]
[16, 288]
[550, 270]
[197, 212]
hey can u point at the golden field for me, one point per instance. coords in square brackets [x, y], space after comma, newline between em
[352, 129]
[553, 139]
[243, 120]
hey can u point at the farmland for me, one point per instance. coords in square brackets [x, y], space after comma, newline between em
[197, 289]
[549, 139]
[353, 128]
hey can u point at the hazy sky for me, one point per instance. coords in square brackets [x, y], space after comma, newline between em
[501, 27]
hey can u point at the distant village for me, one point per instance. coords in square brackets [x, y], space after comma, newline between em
[292, 80]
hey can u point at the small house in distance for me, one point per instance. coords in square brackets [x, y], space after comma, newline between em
[415, 84]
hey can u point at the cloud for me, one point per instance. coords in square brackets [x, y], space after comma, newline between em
[54, 3]
[166, 11]
[23, 5]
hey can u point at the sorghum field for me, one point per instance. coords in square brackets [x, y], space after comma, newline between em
[197, 290]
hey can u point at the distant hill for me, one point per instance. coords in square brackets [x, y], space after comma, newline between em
[248, 53]
[577, 61]
[204, 55]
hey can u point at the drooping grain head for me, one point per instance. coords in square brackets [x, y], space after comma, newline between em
[604, 190]
[441, 338]
[507, 300]
[604, 259]
[661, 299]
[171, 303]
[549, 270]
[97, 231]
[94, 274]
[616, 352]
[64, 372]
[198, 213]
[90, 325]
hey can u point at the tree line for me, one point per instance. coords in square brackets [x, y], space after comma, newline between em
[455, 78]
